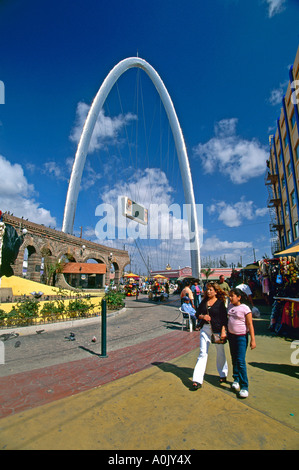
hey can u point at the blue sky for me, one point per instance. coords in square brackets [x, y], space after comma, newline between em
[225, 64]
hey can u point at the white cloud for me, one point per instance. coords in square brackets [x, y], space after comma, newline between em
[232, 251]
[17, 195]
[275, 7]
[148, 187]
[58, 172]
[12, 179]
[277, 93]
[106, 128]
[238, 158]
[233, 215]
[213, 244]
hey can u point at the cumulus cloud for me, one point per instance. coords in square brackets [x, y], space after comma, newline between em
[149, 186]
[18, 196]
[233, 215]
[146, 187]
[165, 238]
[214, 244]
[232, 251]
[238, 158]
[106, 128]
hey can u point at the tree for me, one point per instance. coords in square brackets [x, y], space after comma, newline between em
[208, 272]
[49, 267]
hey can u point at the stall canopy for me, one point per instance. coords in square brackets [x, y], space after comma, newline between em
[251, 266]
[292, 251]
[84, 268]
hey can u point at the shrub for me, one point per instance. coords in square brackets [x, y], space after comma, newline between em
[115, 299]
[3, 316]
[51, 311]
[23, 313]
[78, 308]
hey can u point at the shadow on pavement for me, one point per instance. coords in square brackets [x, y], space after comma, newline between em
[285, 369]
[183, 373]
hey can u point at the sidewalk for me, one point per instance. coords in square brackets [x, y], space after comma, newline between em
[139, 397]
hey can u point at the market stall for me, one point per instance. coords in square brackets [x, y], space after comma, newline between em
[275, 282]
[285, 308]
[131, 286]
[157, 291]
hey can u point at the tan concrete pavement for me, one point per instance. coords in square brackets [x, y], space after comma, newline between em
[155, 409]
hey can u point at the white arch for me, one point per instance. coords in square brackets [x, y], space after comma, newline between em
[75, 180]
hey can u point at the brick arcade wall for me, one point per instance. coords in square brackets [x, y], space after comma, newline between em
[58, 244]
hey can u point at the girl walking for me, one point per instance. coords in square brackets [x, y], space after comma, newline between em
[213, 316]
[239, 326]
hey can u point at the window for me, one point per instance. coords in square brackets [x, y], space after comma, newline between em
[283, 182]
[285, 141]
[289, 169]
[297, 152]
[296, 229]
[289, 236]
[293, 121]
[293, 198]
[286, 209]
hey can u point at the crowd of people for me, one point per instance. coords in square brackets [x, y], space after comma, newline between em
[222, 314]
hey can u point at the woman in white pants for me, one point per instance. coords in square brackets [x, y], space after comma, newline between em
[213, 315]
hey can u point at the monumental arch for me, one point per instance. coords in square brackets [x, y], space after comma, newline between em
[58, 245]
[80, 158]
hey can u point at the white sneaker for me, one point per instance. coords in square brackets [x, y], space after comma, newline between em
[243, 393]
[235, 386]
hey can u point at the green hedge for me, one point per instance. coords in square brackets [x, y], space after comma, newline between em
[25, 312]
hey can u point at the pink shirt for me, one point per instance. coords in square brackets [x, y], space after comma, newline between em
[236, 319]
[188, 291]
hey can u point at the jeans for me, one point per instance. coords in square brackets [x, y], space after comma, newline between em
[192, 318]
[238, 345]
[204, 343]
[197, 300]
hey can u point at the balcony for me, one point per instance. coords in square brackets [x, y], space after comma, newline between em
[276, 227]
[275, 202]
[270, 179]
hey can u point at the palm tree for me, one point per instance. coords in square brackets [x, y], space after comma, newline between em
[208, 272]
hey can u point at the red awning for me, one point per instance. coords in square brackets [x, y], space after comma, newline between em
[84, 268]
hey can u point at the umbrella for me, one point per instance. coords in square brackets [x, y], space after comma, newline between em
[293, 251]
[131, 275]
[159, 276]
[251, 266]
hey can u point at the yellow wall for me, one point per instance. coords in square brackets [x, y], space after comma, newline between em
[21, 286]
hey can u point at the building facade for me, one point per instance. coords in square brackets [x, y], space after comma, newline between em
[282, 173]
[186, 272]
[43, 243]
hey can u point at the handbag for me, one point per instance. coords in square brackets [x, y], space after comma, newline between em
[216, 339]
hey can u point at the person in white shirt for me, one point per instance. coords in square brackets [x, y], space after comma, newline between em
[245, 288]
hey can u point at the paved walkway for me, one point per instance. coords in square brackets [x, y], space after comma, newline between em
[139, 397]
